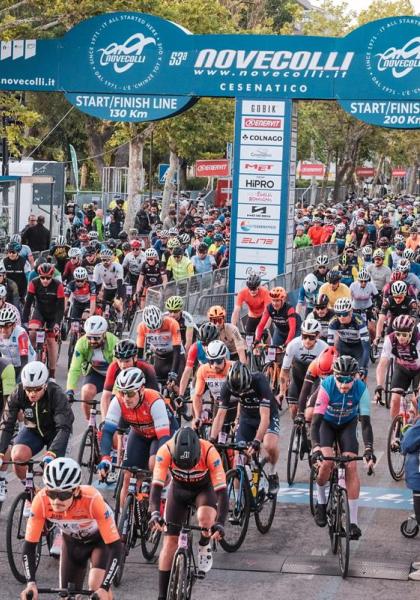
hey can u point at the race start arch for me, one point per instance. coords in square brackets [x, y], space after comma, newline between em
[139, 67]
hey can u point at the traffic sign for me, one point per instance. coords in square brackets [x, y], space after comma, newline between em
[163, 169]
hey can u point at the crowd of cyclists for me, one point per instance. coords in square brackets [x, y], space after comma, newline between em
[187, 399]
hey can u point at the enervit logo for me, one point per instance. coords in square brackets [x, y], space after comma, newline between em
[256, 123]
[401, 61]
[124, 56]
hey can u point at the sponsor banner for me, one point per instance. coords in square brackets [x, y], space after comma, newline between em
[251, 240]
[257, 255]
[258, 197]
[397, 114]
[260, 182]
[258, 211]
[311, 170]
[399, 172]
[212, 168]
[266, 272]
[257, 226]
[261, 138]
[262, 123]
[223, 191]
[261, 153]
[263, 109]
[365, 171]
[260, 167]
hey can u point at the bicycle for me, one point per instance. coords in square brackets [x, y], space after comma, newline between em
[76, 331]
[130, 307]
[89, 455]
[70, 592]
[41, 346]
[396, 460]
[299, 445]
[184, 571]
[247, 487]
[16, 524]
[133, 523]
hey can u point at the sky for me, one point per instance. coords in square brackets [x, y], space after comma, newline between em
[358, 5]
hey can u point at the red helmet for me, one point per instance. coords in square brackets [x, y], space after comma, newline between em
[46, 270]
[135, 244]
[397, 276]
[325, 361]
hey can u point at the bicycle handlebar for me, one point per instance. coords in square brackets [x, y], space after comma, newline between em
[187, 526]
[347, 459]
[88, 402]
[63, 592]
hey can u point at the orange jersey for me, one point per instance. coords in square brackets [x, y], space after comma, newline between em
[256, 304]
[149, 419]
[162, 340]
[206, 376]
[88, 514]
[208, 469]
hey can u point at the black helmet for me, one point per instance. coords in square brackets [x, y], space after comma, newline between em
[177, 251]
[239, 378]
[322, 301]
[123, 235]
[345, 365]
[111, 244]
[187, 448]
[208, 332]
[202, 247]
[90, 250]
[125, 349]
[126, 246]
[253, 281]
[333, 276]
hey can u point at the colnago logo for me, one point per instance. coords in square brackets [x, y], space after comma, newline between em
[257, 137]
[401, 61]
[126, 55]
[271, 63]
[257, 123]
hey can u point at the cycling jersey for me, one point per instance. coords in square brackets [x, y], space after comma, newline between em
[258, 396]
[152, 274]
[49, 300]
[407, 355]
[185, 321]
[81, 294]
[85, 359]
[133, 263]
[256, 304]
[407, 307]
[90, 266]
[296, 352]
[308, 299]
[108, 277]
[196, 353]
[342, 291]
[284, 320]
[114, 370]
[351, 333]
[16, 347]
[362, 296]
[161, 341]
[338, 408]
[16, 270]
[229, 335]
[323, 321]
[149, 419]
[380, 275]
[207, 377]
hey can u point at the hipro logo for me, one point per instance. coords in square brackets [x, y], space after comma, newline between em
[401, 61]
[126, 55]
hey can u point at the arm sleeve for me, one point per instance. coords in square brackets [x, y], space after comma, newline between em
[291, 317]
[76, 365]
[28, 302]
[63, 418]
[8, 421]
[367, 432]
[192, 356]
[305, 391]
[160, 420]
[8, 378]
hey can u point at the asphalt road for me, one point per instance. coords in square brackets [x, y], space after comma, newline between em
[294, 559]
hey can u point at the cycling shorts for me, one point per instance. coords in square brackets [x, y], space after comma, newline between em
[96, 379]
[33, 439]
[402, 378]
[296, 382]
[140, 449]
[180, 498]
[248, 427]
[75, 556]
[345, 435]
[39, 321]
[77, 309]
[251, 325]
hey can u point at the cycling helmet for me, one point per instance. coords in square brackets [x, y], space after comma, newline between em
[239, 378]
[130, 379]
[184, 239]
[187, 448]
[216, 349]
[178, 251]
[80, 274]
[341, 229]
[96, 325]
[90, 250]
[75, 253]
[311, 326]
[125, 349]
[403, 266]
[310, 283]
[400, 323]
[151, 253]
[2, 268]
[164, 233]
[253, 281]
[152, 317]
[173, 243]
[62, 474]
[278, 293]
[34, 374]
[360, 223]
[218, 237]
[363, 275]
[399, 288]
[123, 235]
[174, 303]
[383, 242]
[173, 231]
[106, 253]
[201, 248]
[3, 292]
[16, 238]
[342, 305]
[126, 247]
[14, 247]
[367, 251]
[60, 240]
[397, 276]
[82, 234]
[345, 365]
[111, 244]
[135, 244]
[322, 261]
[379, 253]
[199, 232]
[216, 311]
[322, 301]
[409, 254]
[208, 332]
[333, 276]
[46, 269]
[399, 238]
[325, 361]
[7, 315]
[400, 246]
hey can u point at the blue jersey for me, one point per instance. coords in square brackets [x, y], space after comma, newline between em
[338, 408]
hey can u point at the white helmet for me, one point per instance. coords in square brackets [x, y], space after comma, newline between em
[130, 379]
[16, 237]
[93, 235]
[322, 261]
[310, 283]
[342, 305]
[367, 250]
[379, 253]
[3, 291]
[399, 288]
[363, 275]
[151, 253]
[399, 238]
[311, 326]
[96, 325]
[216, 350]
[341, 229]
[75, 253]
[360, 222]
[7, 315]
[62, 474]
[60, 240]
[409, 254]
[152, 317]
[34, 374]
[80, 274]
[403, 266]
[106, 253]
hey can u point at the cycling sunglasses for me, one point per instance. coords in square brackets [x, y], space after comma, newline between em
[402, 334]
[343, 314]
[216, 361]
[344, 378]
[308, 336]
[34, 389]
[128, 393]
[94, 338]
[55, 495]
[217, 319]
[44, 278]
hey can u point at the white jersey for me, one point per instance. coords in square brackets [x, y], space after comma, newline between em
[362, 296]
[16, 346]
[296, 351]
[133, 262]
[108, 276]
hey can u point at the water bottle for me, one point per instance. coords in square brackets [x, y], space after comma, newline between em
[145, 487]
[222, 439]
[255, 481]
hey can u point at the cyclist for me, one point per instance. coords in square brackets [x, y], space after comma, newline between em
[403, 347]
[228, 333]
[47, 296]
[300, 352]
[364, 297]
[14, 340]
[319, 368]
[90, 534]
[25, 251]
[398, 302]
[321, 269]
[379, 273]
[48, 419]
[367, 254]
[133, 262]
[82, 292]
[75, 260]
[151, 272]
[90, 260]
[342, 399]
[174, 308]
[162, 336]
[109, 279]
[198, 478]
[92, 356]
[16, 268]
[5, 304]
[307, 295]
[334, 289]
[259, 423]
[349, 334]
[283, 316]
[256, 297]
[322, 314]
[60, 252]
[197, 353]
[12, 292]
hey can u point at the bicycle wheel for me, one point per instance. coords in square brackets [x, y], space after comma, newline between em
[126, 527]
[312, 490]
[15, 537]
[293, 453]
[343, 532]
[72, 344]
[265, 506]
[117, 495]
[396, 460]
[239, 510]
[149, 540]
[388, 379]
[88, 455]
[178, 581]
[332, 517]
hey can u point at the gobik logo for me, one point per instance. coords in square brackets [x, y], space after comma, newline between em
[125, 54]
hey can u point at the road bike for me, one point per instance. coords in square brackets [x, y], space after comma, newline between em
[299, 445]
[396, 459]
[76, 331]
[70, 593]
[89, 455]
